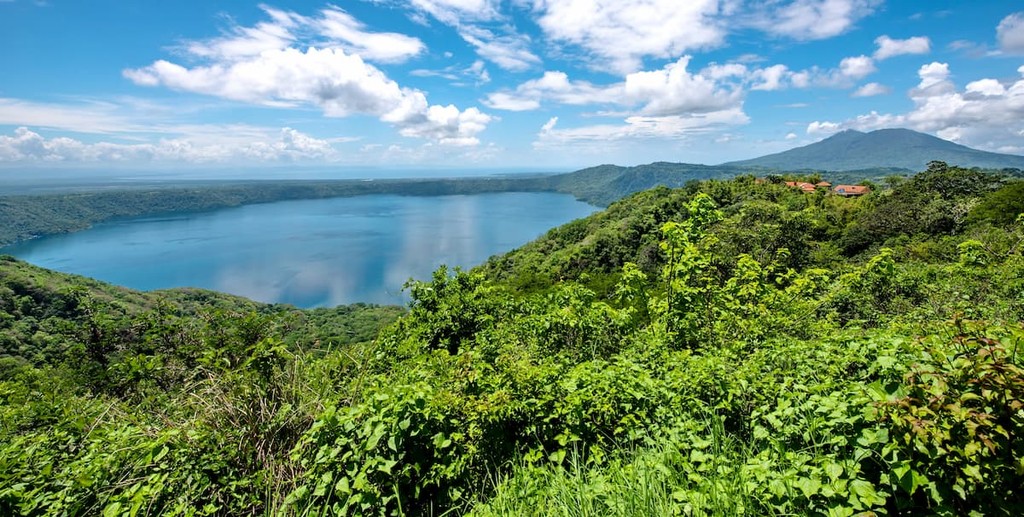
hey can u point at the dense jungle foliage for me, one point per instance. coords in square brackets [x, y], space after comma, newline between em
[727, 348]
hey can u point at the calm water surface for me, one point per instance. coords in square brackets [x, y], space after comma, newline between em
[308, 253]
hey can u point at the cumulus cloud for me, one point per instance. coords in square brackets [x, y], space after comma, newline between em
[871, 90]
[339, 82]
[812, 19]
[553, 86]
[289, 145]
[857, 67]
[780, 77]
[671, 90]
[1010, 33]
[675, 90]
[888, 47]
[986, 113]
[620, 33]
[662, 104]
[826, 127]
[771, 78]
[616, 36]
[640, 127]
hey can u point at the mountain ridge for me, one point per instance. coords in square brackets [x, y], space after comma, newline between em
[895, 147]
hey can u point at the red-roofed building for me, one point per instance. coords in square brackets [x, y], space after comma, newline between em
[851, 190]
[806, 187]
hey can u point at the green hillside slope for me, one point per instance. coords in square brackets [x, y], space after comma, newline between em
[46, 317]
[605, 184]
[728, 348]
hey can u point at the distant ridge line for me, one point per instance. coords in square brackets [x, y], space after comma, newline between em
[884, 148]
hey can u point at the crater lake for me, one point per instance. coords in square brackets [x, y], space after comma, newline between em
[308, 253]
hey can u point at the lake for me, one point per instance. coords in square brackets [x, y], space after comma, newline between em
[309, 253]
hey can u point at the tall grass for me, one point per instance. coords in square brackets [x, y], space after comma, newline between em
[661, 479]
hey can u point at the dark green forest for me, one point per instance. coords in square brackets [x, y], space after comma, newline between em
[728, 347]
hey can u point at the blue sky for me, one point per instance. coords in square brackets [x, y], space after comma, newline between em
[485, 84]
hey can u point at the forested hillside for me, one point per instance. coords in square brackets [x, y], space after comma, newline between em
[727, 348]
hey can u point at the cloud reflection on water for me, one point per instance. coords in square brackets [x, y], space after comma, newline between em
[307, 253]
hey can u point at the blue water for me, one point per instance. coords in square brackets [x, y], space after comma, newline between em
[309, 253]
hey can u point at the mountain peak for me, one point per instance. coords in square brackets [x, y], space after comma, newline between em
[893, 147]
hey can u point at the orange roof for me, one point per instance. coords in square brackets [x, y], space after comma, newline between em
[851, 190]
[822, 184]
[806, 187]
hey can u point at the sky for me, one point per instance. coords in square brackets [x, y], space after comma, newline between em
[493, 84]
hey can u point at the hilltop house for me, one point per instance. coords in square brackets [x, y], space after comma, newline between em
[806, 187]
[851, 190]
[810, 188]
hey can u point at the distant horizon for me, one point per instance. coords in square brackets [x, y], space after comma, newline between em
[220, 172]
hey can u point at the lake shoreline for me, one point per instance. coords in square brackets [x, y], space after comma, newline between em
[305, 252]
[30, 216]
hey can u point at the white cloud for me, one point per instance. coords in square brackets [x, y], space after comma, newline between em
[816, 127]
[338, 82]
[791, 136]
[289, 145]
[857, 67]
[667, 103]
[888, 47]
[443, 124]
[456, 12]
[987, 113]
[480, 24]
[341, 27]
[812, 19]
[771, 78]
[675, 90]
[779, 77]
[477, 73]
[509, 50]
[332, 27]
[1010, 33]
[553, 86]
[90, 117]
[672, 90]
[934, 81]
[242, 42]
[871, 90]
[986, 87]
[512, 101]
[618, 34]
[640, 127]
